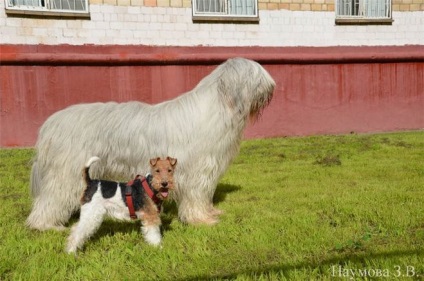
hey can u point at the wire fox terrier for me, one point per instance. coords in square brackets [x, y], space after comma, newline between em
[140, 198]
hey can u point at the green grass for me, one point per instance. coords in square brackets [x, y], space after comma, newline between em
[313, 208]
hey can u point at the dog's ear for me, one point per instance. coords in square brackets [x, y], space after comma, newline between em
[154, 161]
[173, 161]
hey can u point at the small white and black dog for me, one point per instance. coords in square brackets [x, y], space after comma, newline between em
[140, 198]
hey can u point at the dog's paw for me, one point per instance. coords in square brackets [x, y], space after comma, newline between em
[152, 235]
[70, 249]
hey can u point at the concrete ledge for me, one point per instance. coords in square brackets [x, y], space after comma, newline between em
[156, 55]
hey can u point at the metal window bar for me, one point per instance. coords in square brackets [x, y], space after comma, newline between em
[364, 8]
[28, 3]
[242, 7]
[377, 9]
[225, 7]
[43, 5]
[211, 6]
[73, 5]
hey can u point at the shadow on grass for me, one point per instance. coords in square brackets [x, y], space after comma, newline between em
[222, 190]
[331, 268]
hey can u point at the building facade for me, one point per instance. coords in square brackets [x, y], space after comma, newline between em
[172, 23]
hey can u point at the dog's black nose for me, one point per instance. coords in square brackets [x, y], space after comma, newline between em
[164, 184]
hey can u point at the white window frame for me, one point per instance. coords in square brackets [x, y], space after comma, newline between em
[225, 10]
[363, 11]
[48, 7]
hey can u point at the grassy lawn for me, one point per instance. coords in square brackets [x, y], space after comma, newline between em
[315, 208]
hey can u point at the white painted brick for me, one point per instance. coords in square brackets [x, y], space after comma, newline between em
[227, 34]
[173, 26]
[108, 9]
[29, 22]
[25, 31]
[127, 34]
[155, 26]
[14, 22]
[167, 26]
[239, 35]
[180, 26]
[154, 18]
[98, 34]
[140, 34]
[89, 25]
[134, 10]
[30, 40]
[41, 32]
[117, 25]
[160, 11]
[102, 25]
[74, 24]
[146, 10]
[173, 18]
[120, 17]
[69, 33]
[95, 8]
[120, 9]
[96, 16]
[143, 18]
[132, 26]
[130, 18]
[216, 27]
[8, 31]
[215, 34]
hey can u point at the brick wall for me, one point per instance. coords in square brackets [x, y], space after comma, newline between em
[159, 23]
[292, 5]
[297, 5]
[408, 5]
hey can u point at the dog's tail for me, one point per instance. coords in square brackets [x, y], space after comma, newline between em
[86, 170]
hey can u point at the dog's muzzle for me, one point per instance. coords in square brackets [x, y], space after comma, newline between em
[164, 191]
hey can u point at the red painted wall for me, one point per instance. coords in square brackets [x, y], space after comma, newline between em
[328, 90]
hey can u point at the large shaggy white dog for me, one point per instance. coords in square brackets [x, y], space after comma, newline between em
[202, 129]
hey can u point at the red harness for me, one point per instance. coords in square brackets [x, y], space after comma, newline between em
[147, 189]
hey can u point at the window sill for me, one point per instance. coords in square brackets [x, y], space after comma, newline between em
[225, 19]
[47, 13]
[362, 21]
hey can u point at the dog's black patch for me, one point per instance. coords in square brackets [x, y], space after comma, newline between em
[107, 188]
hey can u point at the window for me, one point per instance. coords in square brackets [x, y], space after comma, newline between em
[48, 7]
[225, 10]
[357, 11]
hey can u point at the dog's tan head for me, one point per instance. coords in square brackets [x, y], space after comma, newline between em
[162, 171]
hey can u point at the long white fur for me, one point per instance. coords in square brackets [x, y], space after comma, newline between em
[202, 129]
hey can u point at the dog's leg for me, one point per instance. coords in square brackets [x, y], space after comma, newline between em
[195, 201]
[91, 218]
[151, 234]
[198, 212]
[151, 224]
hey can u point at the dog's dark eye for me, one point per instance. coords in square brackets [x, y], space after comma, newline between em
[169, 171]
[157, 171]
